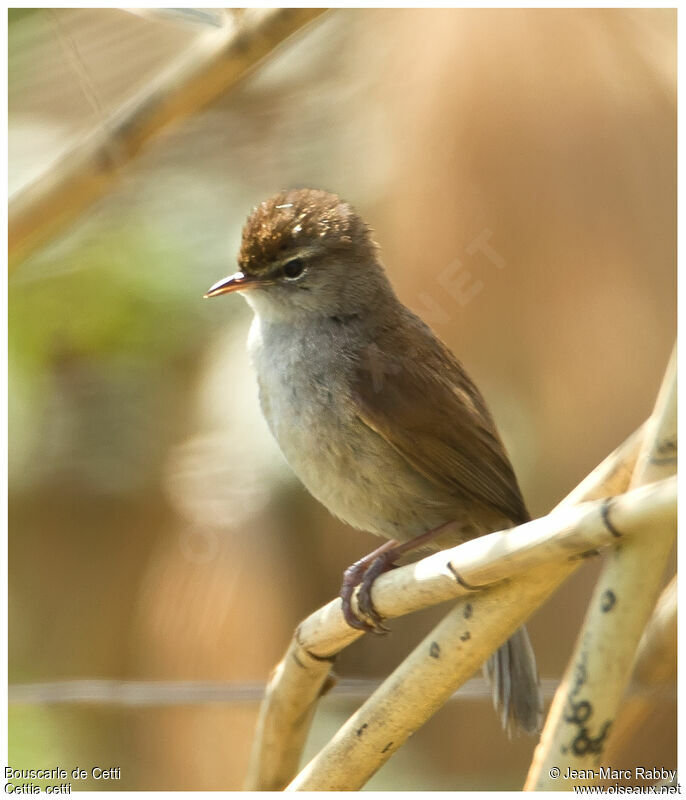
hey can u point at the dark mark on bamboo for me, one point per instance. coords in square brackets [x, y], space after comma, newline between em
[435, 650]
[607, 601]
[605, 513]
[665, 452]
[579, 713]
[360, 730]
[584, 555]
[387, 747]
[460, 579]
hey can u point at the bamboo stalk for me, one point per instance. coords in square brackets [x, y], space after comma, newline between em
[656, 667]
[477, 626]
[424, 681]
[400, 592]
[214, 63]
[586, 702]
[566, 534]
[325, 632]
[657, 652]
[288, 706]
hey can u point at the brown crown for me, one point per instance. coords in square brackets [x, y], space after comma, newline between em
[296, 218]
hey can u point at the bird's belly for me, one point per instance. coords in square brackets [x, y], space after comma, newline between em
[343, 463]
[353, 476]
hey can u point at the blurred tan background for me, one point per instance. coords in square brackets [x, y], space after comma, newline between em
[155, 531]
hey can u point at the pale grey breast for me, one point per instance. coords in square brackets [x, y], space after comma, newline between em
[336, 456]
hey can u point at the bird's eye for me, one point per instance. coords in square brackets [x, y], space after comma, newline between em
[293, 269]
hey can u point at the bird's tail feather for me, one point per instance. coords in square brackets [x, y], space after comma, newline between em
[514, 679]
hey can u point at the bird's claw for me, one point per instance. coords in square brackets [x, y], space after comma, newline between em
[364, 575]
[351, 577]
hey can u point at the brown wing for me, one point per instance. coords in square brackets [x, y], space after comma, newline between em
[433, 415]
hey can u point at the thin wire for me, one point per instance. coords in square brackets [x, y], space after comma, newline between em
[86, 83]
[205, 17]
[72, 55]
[177, 693]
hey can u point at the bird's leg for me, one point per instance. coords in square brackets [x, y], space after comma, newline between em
[352, 576]
[367, 570]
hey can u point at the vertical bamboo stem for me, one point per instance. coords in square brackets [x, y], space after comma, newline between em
[586, 702]
[655, 669]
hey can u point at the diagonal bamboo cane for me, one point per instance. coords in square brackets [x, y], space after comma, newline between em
[447, 657]
[587, 700]
[296, 683]
[477, 626]
[217, 61]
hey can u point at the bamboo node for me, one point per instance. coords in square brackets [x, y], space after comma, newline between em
[461, 580]
[605, 512]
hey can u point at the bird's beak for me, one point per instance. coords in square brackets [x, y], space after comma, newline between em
[234, 283]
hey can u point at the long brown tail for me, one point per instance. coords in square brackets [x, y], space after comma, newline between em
[514, 679]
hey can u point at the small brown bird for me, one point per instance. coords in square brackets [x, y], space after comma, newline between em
[372, 411]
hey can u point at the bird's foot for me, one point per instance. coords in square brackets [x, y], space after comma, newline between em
[381, 564]
[363, 573]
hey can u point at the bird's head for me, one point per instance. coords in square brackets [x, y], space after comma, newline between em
[305, 251]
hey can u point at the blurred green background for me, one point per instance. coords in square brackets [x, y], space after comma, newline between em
[155, 531]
